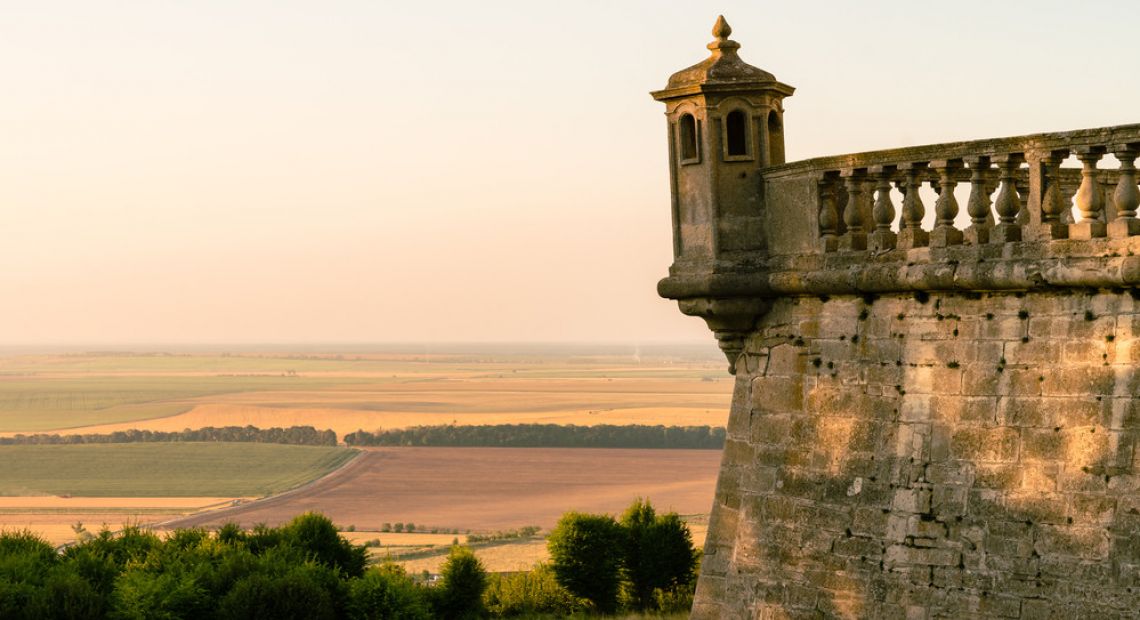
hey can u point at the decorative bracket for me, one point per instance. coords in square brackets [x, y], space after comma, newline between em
[730, 319]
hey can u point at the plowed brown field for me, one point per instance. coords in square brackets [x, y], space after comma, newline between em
[488, 488]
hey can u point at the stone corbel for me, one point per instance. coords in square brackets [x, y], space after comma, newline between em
[730, 319]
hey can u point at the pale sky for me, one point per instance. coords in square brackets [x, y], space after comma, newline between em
[335, 171]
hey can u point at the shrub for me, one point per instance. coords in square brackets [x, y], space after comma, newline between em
[66, 594]
[585, 553]
[658, 554]
[35, 583]
[386, 593]
[316, 535]
[141, 594]
[463, 579]
[301, 593]
[535, 592]
[132, 544]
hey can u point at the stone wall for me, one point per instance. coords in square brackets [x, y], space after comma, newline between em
[929, 455]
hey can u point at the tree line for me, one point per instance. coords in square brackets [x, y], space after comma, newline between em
[294, 435]
[546, 436]
[306, 569]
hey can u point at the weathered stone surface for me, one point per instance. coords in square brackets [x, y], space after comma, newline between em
[941, 426]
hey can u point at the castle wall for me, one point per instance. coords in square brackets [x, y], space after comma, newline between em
[931, 455]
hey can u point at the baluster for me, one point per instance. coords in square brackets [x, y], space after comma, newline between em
[1126, 196]
[946, 207]
[828, 215]
[1089, 200]
[883, 238]
[978, 206]
[1008, 203]
[911, 234]
[856, 236]
[1053, 199]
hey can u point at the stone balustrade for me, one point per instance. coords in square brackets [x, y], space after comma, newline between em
[1034, 193]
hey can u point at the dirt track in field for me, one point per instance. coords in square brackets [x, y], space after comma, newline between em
[487, 489]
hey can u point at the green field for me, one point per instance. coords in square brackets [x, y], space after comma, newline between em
[164, 469]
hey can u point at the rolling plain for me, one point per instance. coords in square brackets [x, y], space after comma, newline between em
[49, 488]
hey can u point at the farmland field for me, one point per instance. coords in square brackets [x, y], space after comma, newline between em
[163, 469]
[490, 489]
[105, 392]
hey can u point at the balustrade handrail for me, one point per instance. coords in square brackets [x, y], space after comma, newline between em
[1039, 142]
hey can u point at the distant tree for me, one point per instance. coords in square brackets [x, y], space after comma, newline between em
[316, 535]
[399, 527]
[585, 552]
[459, 596]
[658, 553]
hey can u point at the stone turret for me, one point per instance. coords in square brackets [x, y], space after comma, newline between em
[725, 121]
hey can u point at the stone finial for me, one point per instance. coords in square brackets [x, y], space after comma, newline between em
[721, 30]
[723, 46]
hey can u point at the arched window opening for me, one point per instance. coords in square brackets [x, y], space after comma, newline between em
[775, 140]
[736, 134]
[688, 126]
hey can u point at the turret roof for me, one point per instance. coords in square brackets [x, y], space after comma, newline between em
[722, 68]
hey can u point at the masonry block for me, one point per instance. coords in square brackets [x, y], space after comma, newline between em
[778, 394]
[985, 444]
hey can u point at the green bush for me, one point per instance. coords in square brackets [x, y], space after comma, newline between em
[142, 593]
[36, 583]
[303, 592]
[132, 544]
[659, 554]
[462, 581]
[535, 592]
[316, 535]
[67, 595]
[386, 593]
[585, 554]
